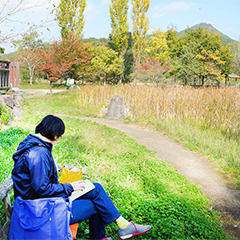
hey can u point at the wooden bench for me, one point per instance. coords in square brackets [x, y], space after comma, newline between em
[5, 188]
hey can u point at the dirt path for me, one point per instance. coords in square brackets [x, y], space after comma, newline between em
[225, 198]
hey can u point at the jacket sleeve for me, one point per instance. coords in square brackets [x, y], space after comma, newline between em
[41, 170]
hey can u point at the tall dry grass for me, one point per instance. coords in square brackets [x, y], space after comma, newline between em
[206, 107]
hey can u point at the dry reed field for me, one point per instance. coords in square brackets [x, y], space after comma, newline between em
[216, 108]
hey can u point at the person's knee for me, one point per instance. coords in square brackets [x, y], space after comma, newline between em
[98, 187]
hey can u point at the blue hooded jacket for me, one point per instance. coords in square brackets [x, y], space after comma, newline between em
[35, 174]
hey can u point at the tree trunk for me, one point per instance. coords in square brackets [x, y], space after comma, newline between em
[50, 87]
[202, 81]
[135, 74]
[105, 79]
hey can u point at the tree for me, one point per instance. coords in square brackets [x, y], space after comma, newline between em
[199, 55]
[153, 70]
[187, 67]
[10, 25]
[67, 57]
[212, 64]
[140, 28]
[28, 52]
[119, 33]
[106, 63]
[2, 50]
[157, 46]
[173, 42]
[70, 17]
[128, 58]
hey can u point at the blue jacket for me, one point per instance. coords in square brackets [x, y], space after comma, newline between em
[35, 174]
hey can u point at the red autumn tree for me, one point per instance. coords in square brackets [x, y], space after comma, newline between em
[151, 69]
[69, 57]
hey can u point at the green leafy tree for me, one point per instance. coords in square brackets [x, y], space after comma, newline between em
[173, 42]
[70, 17]
[187, 67]
[199, 55]
[106, 63]
[2, 50]
[140, 28]
[119, 33]
[128, 58]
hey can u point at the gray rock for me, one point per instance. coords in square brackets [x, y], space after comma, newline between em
[8, 100]
[17, 99]
[116, 109]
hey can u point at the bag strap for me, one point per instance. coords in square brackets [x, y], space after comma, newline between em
[71, 160]
[43, 220]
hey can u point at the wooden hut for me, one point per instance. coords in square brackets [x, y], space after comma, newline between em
[234, 76]
[4, 75]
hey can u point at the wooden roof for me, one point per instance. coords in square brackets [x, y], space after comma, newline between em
[4, 61]
[232, 75]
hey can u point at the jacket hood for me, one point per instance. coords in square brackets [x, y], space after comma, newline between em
[29, 142]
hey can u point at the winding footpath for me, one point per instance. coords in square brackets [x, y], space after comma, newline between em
[225, 198]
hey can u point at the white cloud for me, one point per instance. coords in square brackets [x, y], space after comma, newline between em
[106, 1]
[91, 10]
[173, 7]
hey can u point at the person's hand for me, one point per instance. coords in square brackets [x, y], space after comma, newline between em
[78, 185]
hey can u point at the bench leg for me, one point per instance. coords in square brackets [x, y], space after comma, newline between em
[74, 228]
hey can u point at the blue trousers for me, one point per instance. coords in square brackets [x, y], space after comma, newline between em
[98, 208]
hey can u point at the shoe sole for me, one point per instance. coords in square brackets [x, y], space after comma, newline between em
[134, 234]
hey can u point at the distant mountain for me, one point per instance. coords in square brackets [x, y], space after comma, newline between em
[206, 26]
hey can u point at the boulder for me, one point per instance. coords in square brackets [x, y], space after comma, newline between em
[116, 109]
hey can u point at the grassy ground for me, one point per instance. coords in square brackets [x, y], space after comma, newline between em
[222, 150]
[44, 84]
[143, 188]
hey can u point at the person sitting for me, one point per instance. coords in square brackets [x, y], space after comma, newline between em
[35, 176]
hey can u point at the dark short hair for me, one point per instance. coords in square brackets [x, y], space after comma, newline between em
[51, 126]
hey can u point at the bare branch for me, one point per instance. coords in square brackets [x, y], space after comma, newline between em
[12, 24]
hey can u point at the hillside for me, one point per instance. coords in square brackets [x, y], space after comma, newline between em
[206, 26]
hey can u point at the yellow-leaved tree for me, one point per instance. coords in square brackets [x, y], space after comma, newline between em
[70, 17]
[140, 28]
[119, 33]
[213, 64]
[157, 46]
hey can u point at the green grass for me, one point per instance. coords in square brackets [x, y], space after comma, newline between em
[144, 189]
[65, 102]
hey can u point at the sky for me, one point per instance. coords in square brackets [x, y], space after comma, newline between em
[163, 14]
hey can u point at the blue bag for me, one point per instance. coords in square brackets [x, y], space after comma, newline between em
[44, 218]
